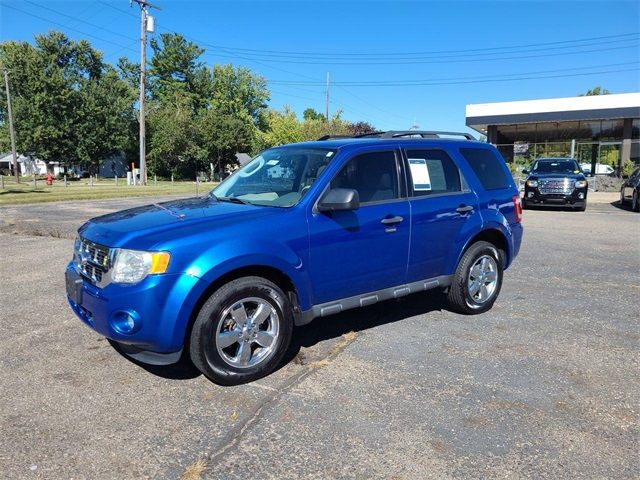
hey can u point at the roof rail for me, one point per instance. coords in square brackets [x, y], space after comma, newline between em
[333, 137]
[416, 133]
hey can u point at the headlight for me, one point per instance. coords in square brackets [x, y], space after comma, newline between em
[132, 266]
[581, 184]
[532, 183]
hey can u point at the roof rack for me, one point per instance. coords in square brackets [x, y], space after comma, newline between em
[333, 137]
[416, 133]
[402, 134]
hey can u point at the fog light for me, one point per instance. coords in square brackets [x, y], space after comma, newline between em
[530, 194]
[126, 322]
[581, 196]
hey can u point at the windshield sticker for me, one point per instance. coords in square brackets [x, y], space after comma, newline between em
[420, 174]
[273, 162]
[329, 154]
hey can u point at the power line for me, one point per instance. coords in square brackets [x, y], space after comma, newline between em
[68, 27]
[445, 60]
[249, 51]
[407, 58]
[444, 79]
[112, 32]
[502, 79]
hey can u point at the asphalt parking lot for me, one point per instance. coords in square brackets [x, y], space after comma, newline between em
[545, 385]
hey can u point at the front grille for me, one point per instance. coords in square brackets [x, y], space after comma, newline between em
[562, 186]
[92, 260]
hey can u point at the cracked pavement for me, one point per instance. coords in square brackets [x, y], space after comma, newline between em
[544, 385]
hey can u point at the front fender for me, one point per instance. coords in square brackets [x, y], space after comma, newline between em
[231, 255]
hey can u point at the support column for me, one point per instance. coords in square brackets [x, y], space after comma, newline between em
[625, 151]
[492, 134]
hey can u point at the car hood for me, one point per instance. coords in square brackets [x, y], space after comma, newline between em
[573, 176]
[120, 229]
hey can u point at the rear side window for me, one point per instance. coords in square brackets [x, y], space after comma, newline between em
[373, 175]
[432, 172]
[487, 167]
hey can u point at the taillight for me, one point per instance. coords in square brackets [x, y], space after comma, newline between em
[517, 207]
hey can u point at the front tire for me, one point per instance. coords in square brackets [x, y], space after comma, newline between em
[635, 201]
[242, 331]
[477, 280]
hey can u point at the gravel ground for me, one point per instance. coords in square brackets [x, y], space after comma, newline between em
[544, 385]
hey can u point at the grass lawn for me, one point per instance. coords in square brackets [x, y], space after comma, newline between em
[24, 192]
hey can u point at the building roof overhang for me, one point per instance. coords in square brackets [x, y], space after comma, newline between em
[614, 106]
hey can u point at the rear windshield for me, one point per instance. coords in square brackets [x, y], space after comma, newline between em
[487, 167]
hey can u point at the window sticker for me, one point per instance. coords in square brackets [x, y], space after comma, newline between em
[273, 162]
[420, 174]
[329, 154]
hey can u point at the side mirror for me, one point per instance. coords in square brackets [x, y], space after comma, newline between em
[339, 199]
[525, 171]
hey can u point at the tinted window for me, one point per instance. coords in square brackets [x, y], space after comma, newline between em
[432, 172]
[373, 175]
[487, 167]
[560, 166]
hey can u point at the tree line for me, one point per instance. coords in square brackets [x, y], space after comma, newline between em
[71, 106]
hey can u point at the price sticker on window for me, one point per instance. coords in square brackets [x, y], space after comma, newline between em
[420, 174]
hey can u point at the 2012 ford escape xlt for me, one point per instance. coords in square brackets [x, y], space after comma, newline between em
[302, 231]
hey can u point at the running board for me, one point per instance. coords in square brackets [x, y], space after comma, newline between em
[370, 298]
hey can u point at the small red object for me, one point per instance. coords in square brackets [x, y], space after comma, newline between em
[49, 179]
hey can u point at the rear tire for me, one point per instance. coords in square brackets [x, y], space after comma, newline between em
[477, 280]
[242, 331]
[635, 201]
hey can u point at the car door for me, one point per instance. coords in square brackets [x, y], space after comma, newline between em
[629, 184]
[441, 206]
[363, 250]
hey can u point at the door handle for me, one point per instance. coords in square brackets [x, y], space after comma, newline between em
[391, 220]
[464, 208]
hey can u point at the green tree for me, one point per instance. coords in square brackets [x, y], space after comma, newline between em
[176, 69]
[174, 142]
[283, 127]
[311, 114]
[68, 105]
[222, 136]
[238, 92]
[595, 91]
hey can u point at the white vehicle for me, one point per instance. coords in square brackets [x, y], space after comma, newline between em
[601, 169]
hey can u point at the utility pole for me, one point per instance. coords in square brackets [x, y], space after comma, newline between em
[11, 132]
[326, 106]
[144, 15]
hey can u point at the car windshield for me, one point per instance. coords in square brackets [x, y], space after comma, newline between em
[552, 166]
[278, 177]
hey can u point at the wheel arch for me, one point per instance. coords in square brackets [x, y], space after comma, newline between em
[268, 272]
[494, 236]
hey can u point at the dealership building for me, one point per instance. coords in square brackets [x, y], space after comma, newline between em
[594, 129]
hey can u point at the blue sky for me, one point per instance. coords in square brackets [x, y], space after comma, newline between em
[457, 48]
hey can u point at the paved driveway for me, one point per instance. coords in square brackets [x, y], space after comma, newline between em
[544, 385]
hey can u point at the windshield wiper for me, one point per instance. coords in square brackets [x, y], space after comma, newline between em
[233, 200]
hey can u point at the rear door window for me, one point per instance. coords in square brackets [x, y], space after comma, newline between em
[432, 172]
[487, 167]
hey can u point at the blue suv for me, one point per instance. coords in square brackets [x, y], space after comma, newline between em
[302, 231]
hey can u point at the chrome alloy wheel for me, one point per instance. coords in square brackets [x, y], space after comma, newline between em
[247, 332]
[483, 279]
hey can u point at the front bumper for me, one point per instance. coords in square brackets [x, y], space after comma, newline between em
[158, 309]
[533, 197]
